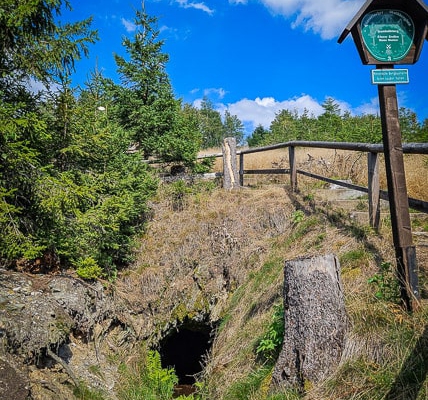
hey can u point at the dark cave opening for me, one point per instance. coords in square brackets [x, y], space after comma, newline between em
[184, 350]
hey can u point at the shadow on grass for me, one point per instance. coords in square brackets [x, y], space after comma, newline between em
[413, 373]
[338, 218]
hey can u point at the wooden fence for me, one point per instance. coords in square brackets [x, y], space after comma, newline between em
[375, 194]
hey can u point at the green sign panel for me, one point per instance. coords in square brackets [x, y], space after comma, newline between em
[387, 34]
[390, 76]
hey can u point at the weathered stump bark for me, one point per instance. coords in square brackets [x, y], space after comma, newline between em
[315, 322]
[230, 170]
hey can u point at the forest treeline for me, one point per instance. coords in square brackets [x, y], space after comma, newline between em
[335, 125]
[74, 189]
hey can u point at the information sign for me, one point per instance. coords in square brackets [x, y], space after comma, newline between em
[390, 76]
[387, 34]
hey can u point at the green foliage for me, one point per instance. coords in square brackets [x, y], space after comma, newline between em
[145, 104]
[257, 138]
[251, 386]
[203, 166]
[297, 216]
[147, 379]
[88, 269]
[213, 129]
[233, 127]
[177, 191]
[69, 184]
[83, 392]
[210, 125]
[385, 283]
[270, 344]
[354, 258]
[34, 45]
[335, 125]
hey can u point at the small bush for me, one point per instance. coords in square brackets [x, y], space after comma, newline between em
[205, 165]
[297, 216]
[146, 379]
[270, 344]
[88, 268]
[385, 283]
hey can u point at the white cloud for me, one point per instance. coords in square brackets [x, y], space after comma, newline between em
[37, 87]
[325, 17]
[262, 111]
[220, 92]
[198, 6]
[129, 25]
[371, 107]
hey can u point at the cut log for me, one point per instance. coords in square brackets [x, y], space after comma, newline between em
[315, 322]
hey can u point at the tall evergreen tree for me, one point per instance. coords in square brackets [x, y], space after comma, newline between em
[330, 122]
[409, 125]
[33, 46]
[285, 126]
[233, 127]
[145, 103]
[210, 125]
[258, 136]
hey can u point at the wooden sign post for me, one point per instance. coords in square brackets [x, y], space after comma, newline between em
[387, 33]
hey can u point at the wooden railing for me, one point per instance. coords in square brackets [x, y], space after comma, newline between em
[373, 150]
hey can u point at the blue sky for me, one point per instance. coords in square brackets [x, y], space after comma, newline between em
[253, 57]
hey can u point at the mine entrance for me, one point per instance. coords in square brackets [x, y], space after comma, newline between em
[184, 349]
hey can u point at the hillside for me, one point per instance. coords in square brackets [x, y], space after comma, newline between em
[250, 233]
[210, 267]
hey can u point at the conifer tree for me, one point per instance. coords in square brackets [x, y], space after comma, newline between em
[145, 102]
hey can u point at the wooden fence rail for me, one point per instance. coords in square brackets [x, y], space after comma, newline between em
[375, 194]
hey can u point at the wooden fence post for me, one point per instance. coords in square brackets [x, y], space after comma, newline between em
[398, 201]
[373, 190]
[230, 171]
[293, 169]
[241, 169]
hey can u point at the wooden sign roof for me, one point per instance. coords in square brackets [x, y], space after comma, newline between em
[416, 9]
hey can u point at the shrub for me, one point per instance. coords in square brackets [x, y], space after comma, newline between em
[88, 269]
[270, 344]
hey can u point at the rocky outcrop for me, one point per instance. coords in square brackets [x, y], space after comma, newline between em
[45, 322]
[57, 331]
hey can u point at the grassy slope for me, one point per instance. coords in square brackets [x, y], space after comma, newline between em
[253, 231]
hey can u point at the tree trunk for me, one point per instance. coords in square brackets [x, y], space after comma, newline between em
[315, 322]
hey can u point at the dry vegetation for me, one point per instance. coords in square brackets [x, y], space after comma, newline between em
[231, 246]
[338, 164]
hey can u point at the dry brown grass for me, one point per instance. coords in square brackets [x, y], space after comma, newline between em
[220, 256]
[336, 164]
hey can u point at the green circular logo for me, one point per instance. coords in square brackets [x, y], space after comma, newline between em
[387, 34]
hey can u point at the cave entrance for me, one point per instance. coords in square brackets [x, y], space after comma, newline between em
[184, 350]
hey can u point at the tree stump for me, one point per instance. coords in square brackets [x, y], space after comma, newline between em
[230, 170]
[315, 322]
